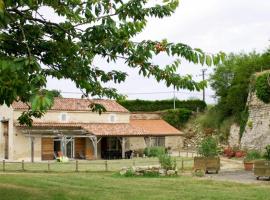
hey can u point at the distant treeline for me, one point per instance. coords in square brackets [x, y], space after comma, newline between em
[159, 105]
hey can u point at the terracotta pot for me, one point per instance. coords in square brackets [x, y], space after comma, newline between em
[227, 151]
[231, 154]
[239, 154]
[248, 165]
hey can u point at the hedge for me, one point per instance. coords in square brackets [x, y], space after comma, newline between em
[150, 106]
[177, 117]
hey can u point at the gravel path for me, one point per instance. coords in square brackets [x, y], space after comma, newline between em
[233, 170]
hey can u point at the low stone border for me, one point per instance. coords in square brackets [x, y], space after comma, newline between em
[146, 170]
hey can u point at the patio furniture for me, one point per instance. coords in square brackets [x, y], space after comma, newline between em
[81, 155]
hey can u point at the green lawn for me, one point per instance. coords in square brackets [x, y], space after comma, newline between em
[107, 186]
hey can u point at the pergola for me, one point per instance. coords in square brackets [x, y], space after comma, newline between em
[67, 133]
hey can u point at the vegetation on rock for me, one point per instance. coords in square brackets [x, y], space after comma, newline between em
[232, 81]
[262, 87]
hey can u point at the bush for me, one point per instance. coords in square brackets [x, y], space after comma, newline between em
[129, 173]
[262, 87]
[167, 162]
[208, 147]
[177, 117]
[253, 155]
[150, 106]
[267, 152]
[154, 151]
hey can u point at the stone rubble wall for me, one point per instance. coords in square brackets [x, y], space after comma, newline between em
[257, 131]
[234, 136]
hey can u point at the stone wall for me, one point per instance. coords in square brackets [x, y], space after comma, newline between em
[257, 131]
[234, 136]
[141, 115]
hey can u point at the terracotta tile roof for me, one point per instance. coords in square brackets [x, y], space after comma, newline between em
[72, 104]
[52, 125]
[123, 129]
[134, 128]
[155, 126]
[98, 129]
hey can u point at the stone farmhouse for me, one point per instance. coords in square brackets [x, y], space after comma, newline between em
[70, 127]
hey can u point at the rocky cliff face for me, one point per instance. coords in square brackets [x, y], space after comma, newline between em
[257, 131]
[233, 139]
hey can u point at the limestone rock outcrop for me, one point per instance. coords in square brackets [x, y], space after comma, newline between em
[257, 131]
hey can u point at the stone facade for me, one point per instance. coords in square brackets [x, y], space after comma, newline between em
[257, 131]
[234, 140]
[20, 145]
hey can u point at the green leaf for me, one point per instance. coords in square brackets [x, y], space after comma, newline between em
[208, 60]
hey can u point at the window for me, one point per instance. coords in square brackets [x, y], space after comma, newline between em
[158, 141]
[112, 118]
[63, 117]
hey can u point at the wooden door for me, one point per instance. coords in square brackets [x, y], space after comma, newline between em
[47, 149]
[79, 148]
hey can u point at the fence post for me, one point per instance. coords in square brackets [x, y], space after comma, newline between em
[192, 154]
[182, 165]
[77, 167]
[179, 152]
[49, 166]
[4, 165]
[106, 165]
[133, 163]
[22, 165]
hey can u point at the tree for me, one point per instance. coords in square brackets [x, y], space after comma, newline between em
[232, 81]
[32, 48]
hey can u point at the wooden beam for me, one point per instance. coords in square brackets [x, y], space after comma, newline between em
[94, 142]
[32, 148]
[123, 145]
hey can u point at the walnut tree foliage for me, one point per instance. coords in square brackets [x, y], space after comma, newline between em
[33, 48]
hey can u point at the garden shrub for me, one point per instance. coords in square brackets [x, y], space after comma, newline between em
[129, 173]
[253, 155]
[267, 152]
[177, 117]
[262, 87]
[208, 147]
[154, 151]
[158, 105]
[167, 162]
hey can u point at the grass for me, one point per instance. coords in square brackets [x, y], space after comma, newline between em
[85, 166]
[107, 185]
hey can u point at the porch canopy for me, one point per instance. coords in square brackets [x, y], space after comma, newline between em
[93, 131]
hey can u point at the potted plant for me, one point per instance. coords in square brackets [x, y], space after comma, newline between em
[228, 152]
[262, 167]
[238, 152]
[209, 160]
[249, 159]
